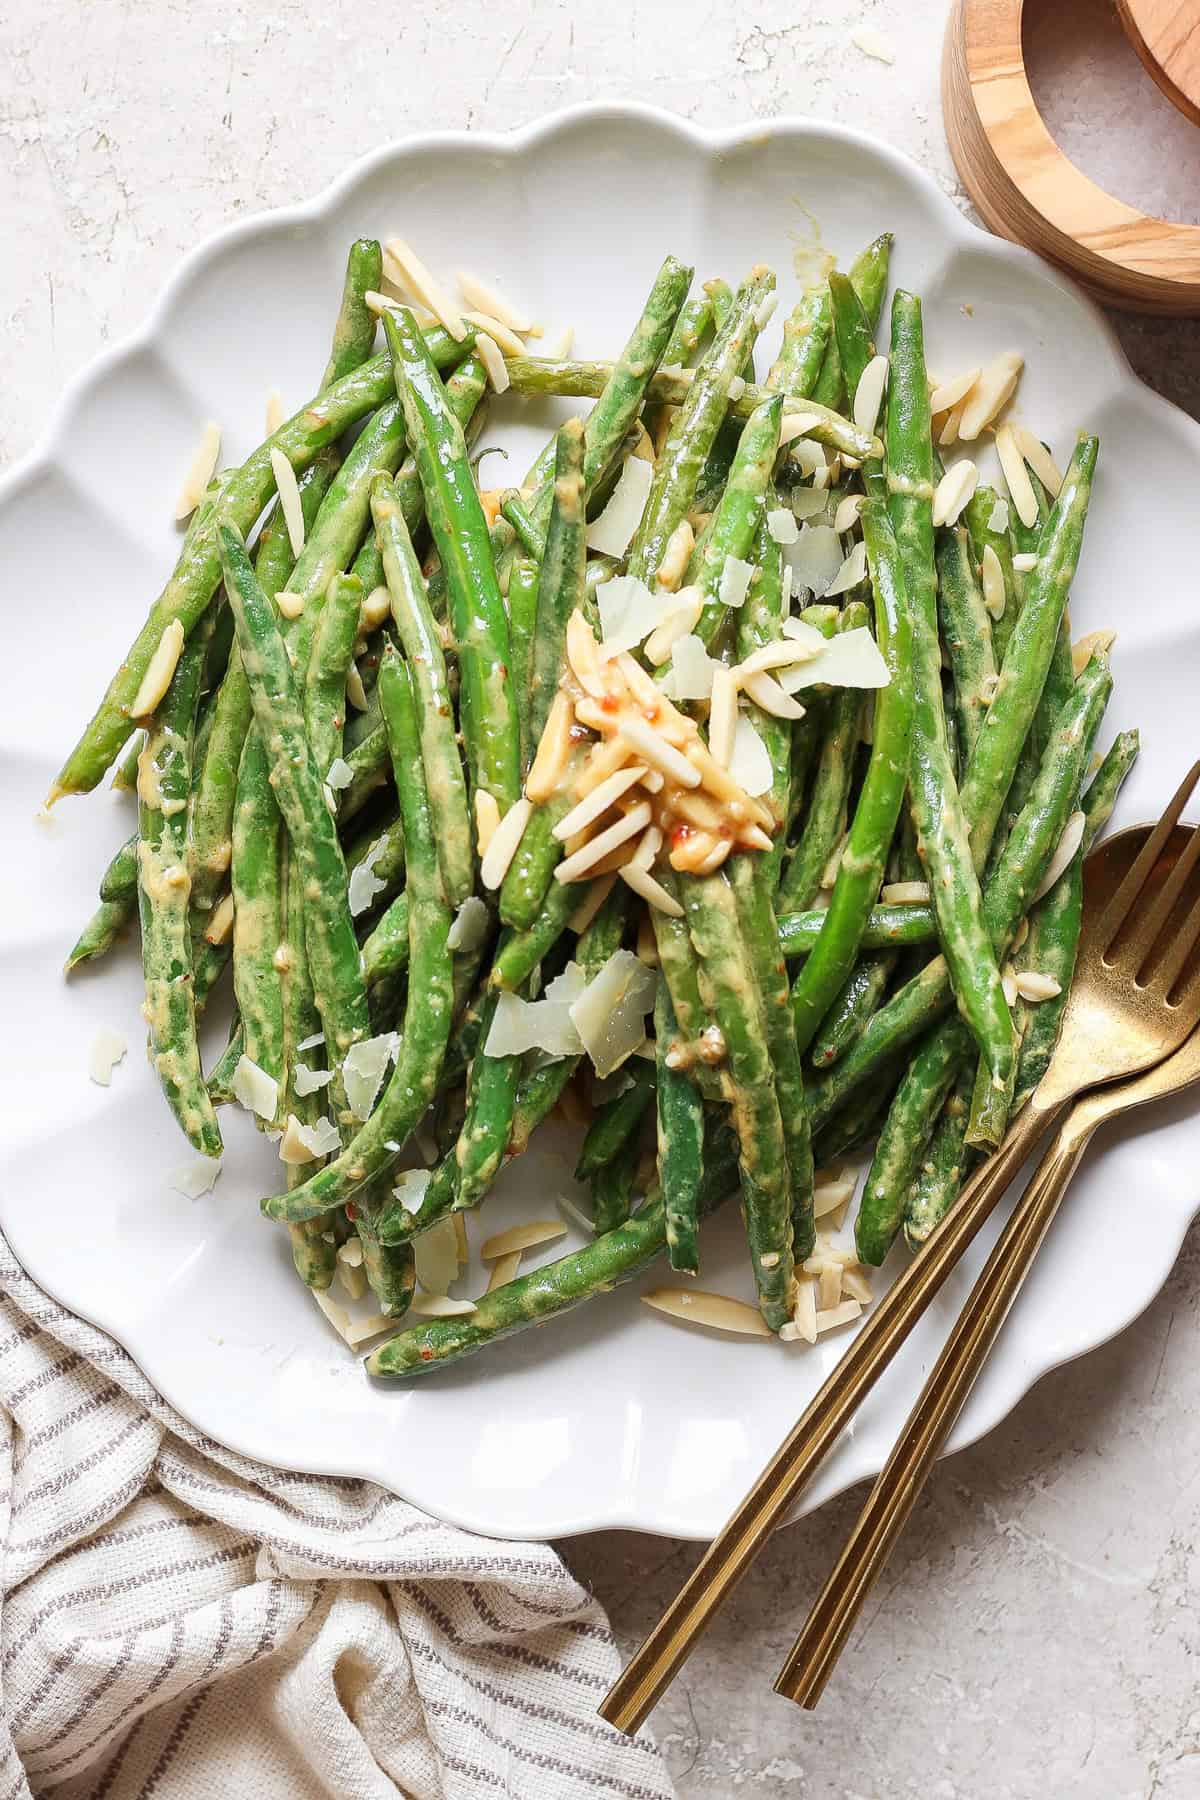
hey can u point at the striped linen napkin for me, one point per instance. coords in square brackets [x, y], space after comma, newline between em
[178, 1621]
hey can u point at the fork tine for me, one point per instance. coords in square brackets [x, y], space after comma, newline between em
[1118, 909]
[1176, 958]
[1150, 926]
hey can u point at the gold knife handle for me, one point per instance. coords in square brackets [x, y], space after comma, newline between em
[931, 1421]
[664, 1651]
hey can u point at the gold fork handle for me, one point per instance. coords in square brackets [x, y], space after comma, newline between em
[662, 1654]
[930, 1423]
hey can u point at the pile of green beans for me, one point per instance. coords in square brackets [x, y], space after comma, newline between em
[344, 716]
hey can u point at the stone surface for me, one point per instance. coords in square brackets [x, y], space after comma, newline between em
[1037, 1634]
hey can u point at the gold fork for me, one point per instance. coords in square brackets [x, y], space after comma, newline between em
[898, 1487]
[1111, 1030]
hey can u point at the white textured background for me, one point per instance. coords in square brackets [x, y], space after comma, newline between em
[1038, 1634]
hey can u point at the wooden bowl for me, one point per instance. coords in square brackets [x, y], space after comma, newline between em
[1164, 34]
[1027, 190]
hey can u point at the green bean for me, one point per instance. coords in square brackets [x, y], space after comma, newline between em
[857, 1123]
[758, 622]
[529, 1300]
[278, 714]
[101, 931]
[444, 780]
[690, 330]
[125, 778]
[702, 403]
[258, 910]
[1054, 923]
[978, 515]
[946, 842]
[329, 662]
[616, 1121]
[243, 495]
[750, 882]
[522, 614]
[806, 336]
[740, 514]
[860, 995]
[906, 1131]
[681, 971]
[491, 1099]
[477, 616]
[738, 1008]
[868, 279]
[612, 1187]
[854, 346]
[947, 1161]
[354, 332]
[825, 819]
[967, 635]
[929, 995]
[220, 1082]
[886, 926]
[864, 859]
[414, 1079]
[679, 1117]
[164, 789]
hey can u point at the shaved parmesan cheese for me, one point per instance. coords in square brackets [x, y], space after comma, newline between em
[692, 669]
[521, 1237]
[362, 1071]
[953, 491]
[852, 571]
[435, 1254]
[991, 573]
[1064, 854]
[809, 457]
[351, 1253]
[948, 393]
[289, 499]
[613, 531]
[359, 1330]
[340, 774]
[750, 763]
[409, 272]
[873, 43]
[365, 885]
[502, 847]
[1033, 987]
[735, 581]
[469, 926]
[411, 1187]
[851, 659]
[1025, 562]
[498, 331]
[440, 1306]
[254, 1089]
[192, 1179]
[815, 558]
[610, 1013]
[781, 523]
[998, 517]
[488, 299]
[681, 619]
[337, 1315]
[810, 503]
[993, 390]
[159, 670]
[717, 1311]
[310, 1081]
[868, 395]
[521, 1025]
[107, 1050]
[629, 612]
[200, 470]
[321, 1138]
[492, 358]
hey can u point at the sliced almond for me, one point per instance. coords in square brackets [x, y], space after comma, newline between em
[596, 894]
[575, 866]
[953, 491]
[553, 752]
[845, 1314]
[487, 818]
[522, 1237]
[856, 1285]
[492, 358]
[488, 299]
[498, 331]
[946, 396]
[504, 1270]
[717, 1311]
[1039, 460]
[868, 395]
[992, 391]
[1033, 986]
[200, 470]
[1086, 647]
[651, 891]
[440, 1306]
[722, 716]
[1064, 853]
[494, 863]
[829, 1195]
[159, 670]
[848, 513]
[991, 574]
[829, 1288]
[409, 272]
[905, 893]
[1019, 486]
[598, 801]
[289, 499]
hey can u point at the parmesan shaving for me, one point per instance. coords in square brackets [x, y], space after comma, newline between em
[735, 580]
[469, 926]
[435, 1253]
[692, 669]
[365, 886]
[521, 1237]
[412, 1185]
[781, 523]
[678, 623]
[254, 1089]
[629, 612]
[200, 470]
[289, 499]
[488, 299]
[750, 762]
[363, 1069]
[310, 1081]
[159, 670]
[107, 1050]
[609, 1015]
[351, 1253]
[613, 531]
[1064, 854]
[492, 358]
[815, 558]
[303, 1143]
[717, 1311]
[340, 774]
[811, 503]
[412, 275]
[522, 1025]
[852, 572]
[850, 659]
[868, 395]
[502, 847]
[194, 1179]
[873, 43]
[312, 1043]
[998, 517]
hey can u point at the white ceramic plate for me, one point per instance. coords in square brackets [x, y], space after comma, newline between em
[613, 1416]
